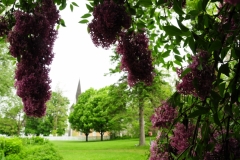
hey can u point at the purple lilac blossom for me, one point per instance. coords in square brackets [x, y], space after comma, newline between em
[31, 41]
[158, 150]
[202, 74]
[108, 20]
[182, 136]
[136, 58]
[163, 115]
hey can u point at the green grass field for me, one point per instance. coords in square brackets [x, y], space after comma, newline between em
[105, 150]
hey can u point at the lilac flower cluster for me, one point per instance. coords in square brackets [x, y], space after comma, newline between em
[158, 150]
[136, 58]
[108, 20]
[163, 115]
[181, 138]
[198, 82]
[31, 41]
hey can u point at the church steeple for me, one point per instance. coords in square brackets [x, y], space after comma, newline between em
[78, 90]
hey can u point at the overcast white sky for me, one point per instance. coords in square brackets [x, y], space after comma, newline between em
[77, 58]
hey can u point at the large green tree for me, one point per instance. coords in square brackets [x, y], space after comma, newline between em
[81, 118]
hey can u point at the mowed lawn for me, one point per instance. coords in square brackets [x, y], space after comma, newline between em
[102, 150]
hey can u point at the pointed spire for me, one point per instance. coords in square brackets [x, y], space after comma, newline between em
[78, 90]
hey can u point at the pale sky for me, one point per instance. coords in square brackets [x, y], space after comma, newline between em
[76, 57]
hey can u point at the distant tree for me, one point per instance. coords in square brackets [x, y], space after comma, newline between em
[55, 120]
[80, 117]
[100, 106]
[57, 112]
[6, 71]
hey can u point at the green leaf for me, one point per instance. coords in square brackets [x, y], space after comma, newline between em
[204, 4]
[90, 8]
[216, 119]
[86, 15]
[62, 23]
[141, 24]
[228, 110]
[177, 57]
[172, 30]
[145, 3]
[224, 69]
[183, 28]
[186, 71]
[8, 2]
[221, 89]
[216, 45]
[166, 54]
[199, 111]
[178, 63]
[175, 50]
[83, 21]
[177, 8]
[152, 11]
[191, 44]
[63, 5]
[71, 7]
[75, 4]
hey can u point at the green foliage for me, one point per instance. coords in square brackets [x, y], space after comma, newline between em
[178, 33]
[55, 120]
[40, 152]
[11, 145]
[36, 148]
[80, 117]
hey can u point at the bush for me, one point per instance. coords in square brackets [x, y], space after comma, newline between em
[11, 145]
[34, 140]
[40, 152]
[13, 157]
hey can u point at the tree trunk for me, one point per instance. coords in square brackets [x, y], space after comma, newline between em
[86, 137]
[102, 133]
[141, 125]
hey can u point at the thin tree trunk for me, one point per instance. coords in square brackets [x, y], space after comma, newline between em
[141, 125]
[102, 133]
[86, 137]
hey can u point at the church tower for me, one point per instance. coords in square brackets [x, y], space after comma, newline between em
[78, 91]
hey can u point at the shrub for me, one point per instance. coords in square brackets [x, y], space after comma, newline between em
[11, 145]
[40, 152]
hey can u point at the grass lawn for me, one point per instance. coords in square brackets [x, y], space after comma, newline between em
[102, 150]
